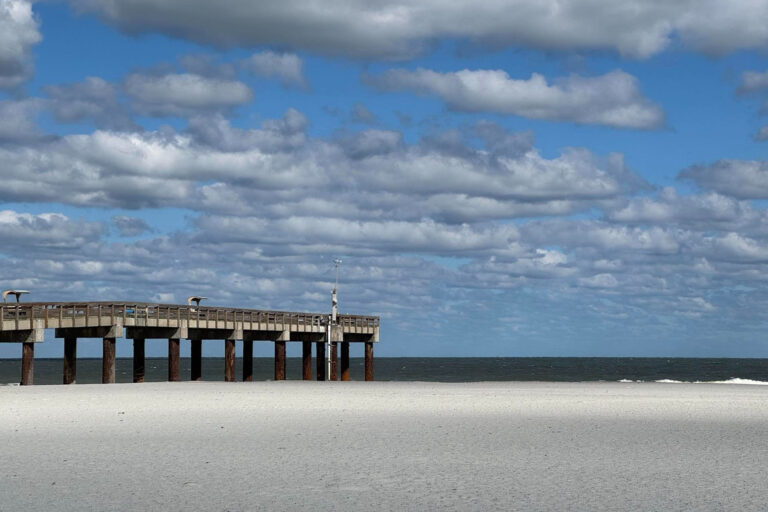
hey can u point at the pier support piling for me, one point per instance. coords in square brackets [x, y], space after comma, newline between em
[279, 360]
[229, 360]
[247, 360]
[334, 361]
[345, 361]
[70, 360]
[368, 360]
[306, 360]
[27, 363]
[173, 359]
[320, 360]
[138, 359]
[196, 353]
[108, 361]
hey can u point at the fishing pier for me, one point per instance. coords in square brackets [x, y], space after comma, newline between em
[25, 323]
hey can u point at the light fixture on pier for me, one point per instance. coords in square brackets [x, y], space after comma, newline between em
[196, 299]
[17, 293]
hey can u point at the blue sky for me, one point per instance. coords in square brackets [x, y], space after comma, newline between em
[517, 178]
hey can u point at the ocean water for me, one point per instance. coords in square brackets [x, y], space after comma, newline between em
[438, 369]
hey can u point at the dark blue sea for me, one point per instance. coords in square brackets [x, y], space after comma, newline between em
[563, 369]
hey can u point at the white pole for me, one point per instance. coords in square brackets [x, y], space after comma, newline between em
[328, 353]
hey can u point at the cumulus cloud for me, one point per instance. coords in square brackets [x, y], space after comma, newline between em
[130, 226]
[613, 99]
[361, 114]
[52, 231]
[184, 93]
[93, 99]
[762, 134]
[753, 81]
[19, 32]
[18, 120]
[743, 179]
[392, 29]
[287, 67]
[374, 169]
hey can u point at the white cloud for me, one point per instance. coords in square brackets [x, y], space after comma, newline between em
[19, 32]
[184, 93]
[18, 120]
[762, 134]
[23, 231]
[92, 99]
[361, 114]
[129, 226]
[754, 81]
[613, 99]
[373, 171]
[287, 67]
[393, 29]
[743, 179]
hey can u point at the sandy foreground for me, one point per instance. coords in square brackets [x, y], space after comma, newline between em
[384, 446]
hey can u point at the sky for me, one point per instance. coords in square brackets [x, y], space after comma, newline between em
[499, 178]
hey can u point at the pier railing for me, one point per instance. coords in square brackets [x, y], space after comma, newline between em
[56, 312]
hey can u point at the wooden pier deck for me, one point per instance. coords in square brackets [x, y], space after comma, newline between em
[25, 323]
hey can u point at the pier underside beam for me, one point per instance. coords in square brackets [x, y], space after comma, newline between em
[22, 336]
[306, 360]
[345, 362]
[138, 359]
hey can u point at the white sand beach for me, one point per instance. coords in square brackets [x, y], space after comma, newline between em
[384, 446]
